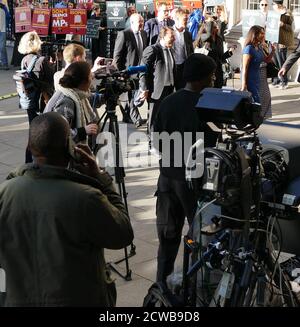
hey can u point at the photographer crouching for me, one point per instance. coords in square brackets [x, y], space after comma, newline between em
[175, 200]
[51, 249]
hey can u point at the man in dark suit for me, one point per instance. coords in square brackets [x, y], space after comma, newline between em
[154, 25]
[129, 47]
[183, 45]
[158, 81]
[291, 59]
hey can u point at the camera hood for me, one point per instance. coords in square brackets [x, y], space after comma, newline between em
[229, 107]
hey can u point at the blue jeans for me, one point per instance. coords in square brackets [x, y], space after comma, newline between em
[279, 59]
[3, 52]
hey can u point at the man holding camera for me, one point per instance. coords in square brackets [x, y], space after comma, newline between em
[56, 222]
[175, 200]
[129, 47]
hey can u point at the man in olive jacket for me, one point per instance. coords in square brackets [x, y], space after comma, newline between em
[55, 223]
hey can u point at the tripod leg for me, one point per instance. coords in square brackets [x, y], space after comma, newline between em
[119, 179]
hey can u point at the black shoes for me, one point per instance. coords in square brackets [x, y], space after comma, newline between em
[140, 123]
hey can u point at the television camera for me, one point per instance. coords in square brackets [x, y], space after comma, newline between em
[255, 183]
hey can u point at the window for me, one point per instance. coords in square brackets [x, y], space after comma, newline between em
[294, 5]
[253, 4]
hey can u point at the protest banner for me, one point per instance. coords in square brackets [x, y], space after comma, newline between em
[41, 20]
[77, 21]
[169, 3]
[116, 14]
[22, 19]
[60, 21]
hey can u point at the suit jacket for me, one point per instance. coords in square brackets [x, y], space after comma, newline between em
[152, 28]
[153, 79]
[126, 49]
[188, 42]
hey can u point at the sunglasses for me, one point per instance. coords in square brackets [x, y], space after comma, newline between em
[264, 5]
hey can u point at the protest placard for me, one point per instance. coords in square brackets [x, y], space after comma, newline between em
[60, 21]
[116, 14]
[22, 19]
[77, 21]
[92, 29]
[251, 18]
[273, 26]
[41, 20]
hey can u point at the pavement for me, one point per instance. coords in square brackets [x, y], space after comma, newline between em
[140, 182]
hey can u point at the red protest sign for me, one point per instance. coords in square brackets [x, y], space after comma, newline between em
[22, 19]
[60, 21]
[41, 20]
[77, 21]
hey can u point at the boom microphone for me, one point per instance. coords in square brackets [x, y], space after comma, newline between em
[132, 70]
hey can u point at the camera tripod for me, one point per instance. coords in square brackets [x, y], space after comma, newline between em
[109, 117]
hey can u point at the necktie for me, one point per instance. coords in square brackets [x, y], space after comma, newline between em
[169, 67]
[139, 45]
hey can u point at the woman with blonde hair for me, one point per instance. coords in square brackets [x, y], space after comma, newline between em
[221, 18]
[30, 46]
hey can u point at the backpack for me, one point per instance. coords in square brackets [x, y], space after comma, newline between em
[26, 87]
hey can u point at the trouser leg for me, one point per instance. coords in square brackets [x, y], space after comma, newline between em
[31, 113]
[3, 51]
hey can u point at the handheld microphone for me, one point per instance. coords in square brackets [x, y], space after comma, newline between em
[132, 70]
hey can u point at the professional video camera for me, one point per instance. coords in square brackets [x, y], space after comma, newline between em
[113, 84]
[254, 183]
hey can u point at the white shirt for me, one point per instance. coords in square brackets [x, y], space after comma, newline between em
[138, 35]
[169, 78]
[179, 47]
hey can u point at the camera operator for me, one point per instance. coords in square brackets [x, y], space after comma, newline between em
[30, 46]
[175, 200]
[55, 224]
[74, 52]
[72, 101]
[129, 47]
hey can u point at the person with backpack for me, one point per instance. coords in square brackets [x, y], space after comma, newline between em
[34, 82]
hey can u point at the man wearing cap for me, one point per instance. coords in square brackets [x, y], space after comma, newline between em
[175, 200]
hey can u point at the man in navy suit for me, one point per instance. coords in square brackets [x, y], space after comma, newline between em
[129, 47]
[154, 25]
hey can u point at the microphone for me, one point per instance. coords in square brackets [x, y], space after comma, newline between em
[132, 70]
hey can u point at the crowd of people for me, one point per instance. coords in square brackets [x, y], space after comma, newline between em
[85, 213]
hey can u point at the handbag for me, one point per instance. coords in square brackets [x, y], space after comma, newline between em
[272, 70]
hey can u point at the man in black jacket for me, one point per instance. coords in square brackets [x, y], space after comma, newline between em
[129, 47]
[158, 81]
[55, 224]
[175, 200]
[154, 25]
